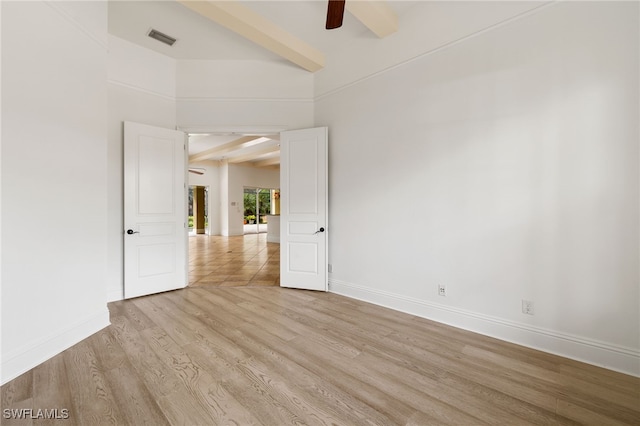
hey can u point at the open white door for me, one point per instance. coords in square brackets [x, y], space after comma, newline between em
[155, 233]
[303, 209]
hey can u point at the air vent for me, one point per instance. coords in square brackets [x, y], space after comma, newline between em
[162, 37]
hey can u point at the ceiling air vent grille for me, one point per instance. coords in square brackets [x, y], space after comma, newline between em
[162, 37]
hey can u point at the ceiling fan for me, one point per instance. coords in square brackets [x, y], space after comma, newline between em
[196, 170]
[335, 14]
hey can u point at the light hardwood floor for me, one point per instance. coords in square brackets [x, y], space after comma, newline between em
[233, 261]
[243, 355]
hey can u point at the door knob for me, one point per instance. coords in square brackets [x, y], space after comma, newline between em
[319, 230]
[131, 232]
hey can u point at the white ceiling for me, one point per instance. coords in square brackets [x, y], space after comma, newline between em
[253, 149]
[198, 37]
[201, 38]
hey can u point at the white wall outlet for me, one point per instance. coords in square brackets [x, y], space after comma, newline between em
[442, 290]
[329, 268]
[527, 307]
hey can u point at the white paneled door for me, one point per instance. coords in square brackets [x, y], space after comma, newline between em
[303, 209]
[155, 232]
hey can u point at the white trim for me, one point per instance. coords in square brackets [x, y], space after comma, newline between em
[254, 100]
[507, 21]
[29, 356]
[208, 98]
[240, 130]
[141, 89]
[591, 351]
[79, 25]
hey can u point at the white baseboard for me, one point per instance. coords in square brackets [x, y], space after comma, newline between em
[29, 356]
[602, 354]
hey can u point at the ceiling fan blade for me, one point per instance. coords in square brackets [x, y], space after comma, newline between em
[196, 171]
[335, 13]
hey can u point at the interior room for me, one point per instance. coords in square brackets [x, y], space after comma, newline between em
[483, 234]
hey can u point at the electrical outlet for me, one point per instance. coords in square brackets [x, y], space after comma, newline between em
[330, 268]
[527, 307]
[442, 290]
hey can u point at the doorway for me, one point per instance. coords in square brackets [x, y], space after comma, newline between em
[198, 210]
[258, 204]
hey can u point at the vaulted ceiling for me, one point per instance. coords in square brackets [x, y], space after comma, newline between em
[291, 31]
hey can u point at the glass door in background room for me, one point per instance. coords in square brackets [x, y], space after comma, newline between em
[257, 205]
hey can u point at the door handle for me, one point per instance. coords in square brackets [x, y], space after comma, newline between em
[131, 232]
[319, 230]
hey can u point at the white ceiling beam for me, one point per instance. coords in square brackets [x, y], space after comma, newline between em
[222, 149]
[245, 22]
[253, 155]
[268, 162]
[375, 15]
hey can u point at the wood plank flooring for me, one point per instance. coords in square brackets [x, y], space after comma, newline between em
[245, 355]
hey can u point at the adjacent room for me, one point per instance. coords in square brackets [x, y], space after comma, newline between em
[474, 217]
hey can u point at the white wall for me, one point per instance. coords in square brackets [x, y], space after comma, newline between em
[141, 89]
[54, 169]
[243, 95]
[1, 340]
[504, 166]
